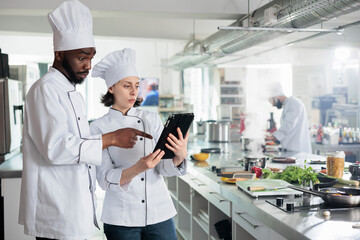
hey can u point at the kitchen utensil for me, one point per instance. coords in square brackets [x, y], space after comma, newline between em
[335, 196]
[232, 180]
[211, 150]
[217, 131]
[318, 161]
[268, 183]
[284, 160]
[262, 188]
[255, 161]
[201, 127]
[354, 169]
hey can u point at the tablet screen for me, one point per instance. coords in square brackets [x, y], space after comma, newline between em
[181, 120]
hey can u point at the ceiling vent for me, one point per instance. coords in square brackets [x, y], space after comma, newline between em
[275, 14]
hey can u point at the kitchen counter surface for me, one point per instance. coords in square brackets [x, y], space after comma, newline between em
[295, 225]
[12, 168]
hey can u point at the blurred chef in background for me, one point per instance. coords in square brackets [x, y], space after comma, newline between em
[293, 133]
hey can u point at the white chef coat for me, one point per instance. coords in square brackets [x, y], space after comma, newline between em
[145, 199]
[293, 133]
[58, 150]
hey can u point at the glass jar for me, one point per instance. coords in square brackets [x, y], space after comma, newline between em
[335, 162]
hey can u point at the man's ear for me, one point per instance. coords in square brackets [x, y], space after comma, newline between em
[59, 56]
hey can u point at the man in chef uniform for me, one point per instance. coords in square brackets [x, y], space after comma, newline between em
[293, 133]
[58, 180]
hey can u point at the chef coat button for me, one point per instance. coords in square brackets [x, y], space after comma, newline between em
[142, 201]
[78, 118]
[142, 179]
[139, 121]
[141, 139]
[89, 167]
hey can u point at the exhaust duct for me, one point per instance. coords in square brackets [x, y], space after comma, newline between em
[277, 14]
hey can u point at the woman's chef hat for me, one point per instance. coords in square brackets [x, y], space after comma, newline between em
[116, 66]
[275, 89]
[71, 23]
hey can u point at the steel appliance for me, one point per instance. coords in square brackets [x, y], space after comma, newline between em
[11, 117]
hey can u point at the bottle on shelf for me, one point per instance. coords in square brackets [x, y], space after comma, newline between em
[319, 135]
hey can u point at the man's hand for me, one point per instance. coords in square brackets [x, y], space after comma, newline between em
[123, 138]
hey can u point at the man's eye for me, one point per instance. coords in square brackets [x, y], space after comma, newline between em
[81, 58]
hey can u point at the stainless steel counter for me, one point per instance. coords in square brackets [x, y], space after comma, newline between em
[12, 168]
[296, 225]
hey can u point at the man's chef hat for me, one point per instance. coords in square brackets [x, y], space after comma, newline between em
[71, 23]
[275, 89]
[116, 66]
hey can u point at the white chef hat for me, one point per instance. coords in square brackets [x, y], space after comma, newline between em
[71, 23]
[116, 66]
[275, 89]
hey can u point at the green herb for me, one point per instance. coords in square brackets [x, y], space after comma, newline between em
[293, 174]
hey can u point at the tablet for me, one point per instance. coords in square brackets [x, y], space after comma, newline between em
[181, 120]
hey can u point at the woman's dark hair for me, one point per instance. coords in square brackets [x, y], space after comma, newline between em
[108, 100]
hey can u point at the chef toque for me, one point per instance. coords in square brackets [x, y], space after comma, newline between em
[71, 23]
[116, 66]
[275, 89]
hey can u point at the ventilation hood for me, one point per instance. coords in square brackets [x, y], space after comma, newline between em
[275, 14]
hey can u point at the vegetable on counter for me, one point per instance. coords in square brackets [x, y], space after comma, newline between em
[293, 174]
[258, 171]
[354, 183]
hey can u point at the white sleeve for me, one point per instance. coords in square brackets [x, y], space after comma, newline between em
[107, 174]
[49, 130]
[290, 121]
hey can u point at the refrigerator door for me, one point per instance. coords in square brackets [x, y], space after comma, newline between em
[11, 118]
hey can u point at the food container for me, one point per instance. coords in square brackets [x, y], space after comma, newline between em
[217, 131]
[335, 162]
[255, 161]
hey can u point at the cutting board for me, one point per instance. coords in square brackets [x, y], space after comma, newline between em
[268, 183]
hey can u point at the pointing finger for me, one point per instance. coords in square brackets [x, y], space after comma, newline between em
[143, 134]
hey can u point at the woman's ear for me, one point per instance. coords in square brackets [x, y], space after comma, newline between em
[111, 90]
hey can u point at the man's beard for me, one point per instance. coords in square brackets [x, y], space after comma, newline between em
[278, 104]
[72, 75]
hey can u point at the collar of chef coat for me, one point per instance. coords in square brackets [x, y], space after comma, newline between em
[286, 101]
[116, 113]
[63, 82]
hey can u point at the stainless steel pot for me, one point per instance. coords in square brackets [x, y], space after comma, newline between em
[217, 131]
[255, 161]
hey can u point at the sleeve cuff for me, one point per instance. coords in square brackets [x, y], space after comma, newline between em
[279, 136]
[91, 150]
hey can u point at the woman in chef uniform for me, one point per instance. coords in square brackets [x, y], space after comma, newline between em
[137, 203]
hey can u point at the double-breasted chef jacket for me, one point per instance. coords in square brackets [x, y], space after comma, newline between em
[145, 199]
[294, 130]
[58, 154]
